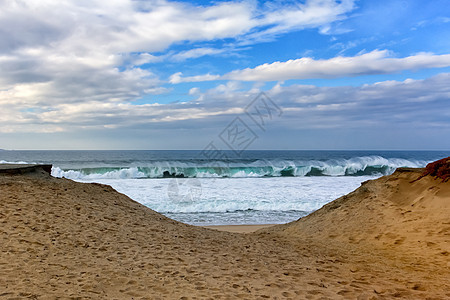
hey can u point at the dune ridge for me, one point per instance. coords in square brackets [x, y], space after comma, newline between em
[62, 239]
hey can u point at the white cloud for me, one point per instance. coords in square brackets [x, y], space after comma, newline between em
[194, 91]
[375, 62]
[384, 104]
[177, 78]
[195, 53]
[55, 52]
[125, 26]
[310, 14]
[69, 65]
[143, 58]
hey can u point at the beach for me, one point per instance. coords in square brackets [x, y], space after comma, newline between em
[63, 239]
[239, 228]
[232, 149]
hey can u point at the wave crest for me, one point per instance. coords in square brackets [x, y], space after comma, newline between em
[357, 166]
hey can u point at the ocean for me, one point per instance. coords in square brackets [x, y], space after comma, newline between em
[254, 187]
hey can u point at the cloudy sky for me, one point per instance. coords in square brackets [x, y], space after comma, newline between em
[156, 74]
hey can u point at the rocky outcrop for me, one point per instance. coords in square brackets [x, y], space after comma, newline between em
[17, 169]
[439, 169]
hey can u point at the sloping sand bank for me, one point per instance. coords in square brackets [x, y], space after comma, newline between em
[59, 238]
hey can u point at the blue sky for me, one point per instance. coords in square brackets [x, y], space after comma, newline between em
[175, 74]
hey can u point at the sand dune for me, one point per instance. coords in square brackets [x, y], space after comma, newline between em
[59, 238]
[398, 224]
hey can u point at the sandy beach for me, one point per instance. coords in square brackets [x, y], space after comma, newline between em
[239, 228]
[62, 239]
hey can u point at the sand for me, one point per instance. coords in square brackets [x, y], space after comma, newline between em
[239, 228]
[62, 239]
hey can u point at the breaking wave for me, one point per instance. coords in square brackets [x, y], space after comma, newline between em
[357, 166]
[14, 162]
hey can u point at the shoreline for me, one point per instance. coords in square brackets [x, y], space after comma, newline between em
[239, 228]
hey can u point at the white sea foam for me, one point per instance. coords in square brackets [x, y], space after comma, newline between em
[224, 197]
[126, 173]
[15, 162]
[367, 165]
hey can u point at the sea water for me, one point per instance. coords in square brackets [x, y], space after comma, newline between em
[254, 187]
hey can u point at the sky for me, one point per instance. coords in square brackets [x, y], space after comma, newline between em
[287, 75]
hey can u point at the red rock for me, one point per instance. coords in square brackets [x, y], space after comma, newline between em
[439, 168]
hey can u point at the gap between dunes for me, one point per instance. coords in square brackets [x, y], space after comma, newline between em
[390, 238]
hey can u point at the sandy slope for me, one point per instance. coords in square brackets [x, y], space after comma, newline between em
[64, 239]
[400, 224]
